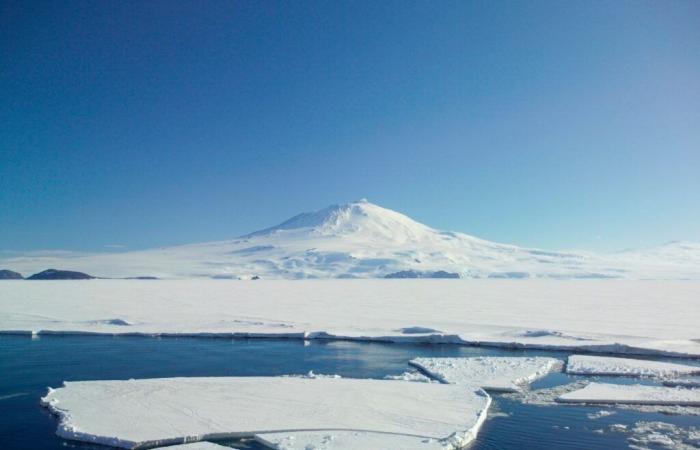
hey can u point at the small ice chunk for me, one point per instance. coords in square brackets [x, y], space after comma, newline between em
[599, 414]
[411, 376]
[604, 365]
[637, 394]
[505, 374]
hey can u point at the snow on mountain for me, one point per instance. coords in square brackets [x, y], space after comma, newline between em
[364, 240]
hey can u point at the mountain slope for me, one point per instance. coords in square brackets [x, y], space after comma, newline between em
[364, 240]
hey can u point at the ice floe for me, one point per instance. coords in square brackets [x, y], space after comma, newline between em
[157, 412]
[195, 446]
[505, 374]
[599, 414]
[605, 393]
[347, 440]
[645, 435]
[603, 365]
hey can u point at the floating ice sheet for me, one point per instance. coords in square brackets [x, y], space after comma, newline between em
[157, 412]
[603, 365]
[506, 374]
[347, 440]
[196, 446]
[605, 393]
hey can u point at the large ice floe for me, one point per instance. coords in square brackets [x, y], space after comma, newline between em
[602, 365]
[637, 394]
[504, 374]
[275, 410]
[347, 440]
[196, 446]
[612, 316]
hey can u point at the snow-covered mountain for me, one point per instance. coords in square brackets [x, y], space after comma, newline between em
[363, 240]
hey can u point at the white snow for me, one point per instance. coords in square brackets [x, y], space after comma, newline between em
[347, 440]
[156, 412]
[637, 394]
[195, 446]
[614, 316]
[602, 365]
[505, 374]
[646, 435]
[364, 240]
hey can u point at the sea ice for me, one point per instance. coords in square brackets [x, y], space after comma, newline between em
[592, 316]
[659, 435]
[347, 440]
[505, 374]
[605, 393]
[157, 412]
[195, 446]
[603, 365]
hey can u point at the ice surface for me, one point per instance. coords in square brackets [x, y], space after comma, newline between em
[601, 365]
[347, 440]
[613, 316]
[604, 393]
[196, 446]
[506, 374]
[156, 412]
[646, 435]
[364, 240]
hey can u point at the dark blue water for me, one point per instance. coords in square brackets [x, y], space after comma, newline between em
[28, 366]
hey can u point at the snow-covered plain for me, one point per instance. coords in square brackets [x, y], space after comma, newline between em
[602, 365]
[618, 316]
[364, 240]
[504, 374]
[637, 394]
[157, 412]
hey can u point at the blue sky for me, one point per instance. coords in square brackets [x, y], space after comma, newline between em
[552, 124]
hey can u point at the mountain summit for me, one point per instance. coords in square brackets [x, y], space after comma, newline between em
[363, 240]
[354, 218]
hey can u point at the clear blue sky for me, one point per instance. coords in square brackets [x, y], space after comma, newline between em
[540, 123]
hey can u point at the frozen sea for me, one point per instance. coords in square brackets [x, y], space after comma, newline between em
[29, 365]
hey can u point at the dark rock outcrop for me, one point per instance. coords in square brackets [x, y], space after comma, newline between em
[10, 275]
[418, 274]
[53, 274]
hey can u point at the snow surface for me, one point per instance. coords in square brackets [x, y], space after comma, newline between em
[347, 440]
[653, 435]
[602, 365]
[196, 446]
[505, 374]
[364, 240]
[156, 412]
[636, 394]
[614, 316]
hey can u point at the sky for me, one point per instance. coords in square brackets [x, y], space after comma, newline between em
[560, 125]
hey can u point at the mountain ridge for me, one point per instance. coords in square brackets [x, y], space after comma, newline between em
[363, 240]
